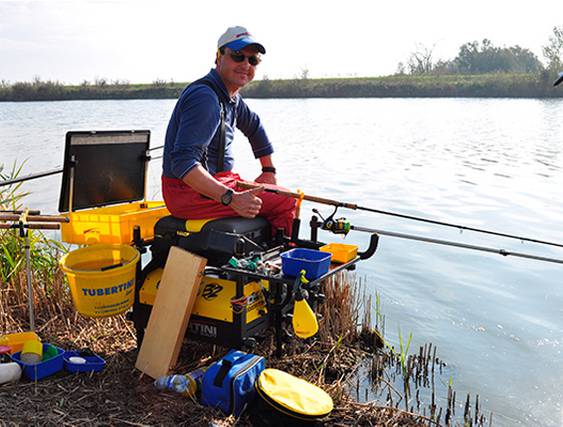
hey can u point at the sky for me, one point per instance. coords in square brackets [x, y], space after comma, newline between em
[143, 41]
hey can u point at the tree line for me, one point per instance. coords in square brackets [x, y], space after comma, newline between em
[484, 57]
[50, 90]
[480, 69]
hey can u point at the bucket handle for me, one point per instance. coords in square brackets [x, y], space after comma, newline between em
[110, 267]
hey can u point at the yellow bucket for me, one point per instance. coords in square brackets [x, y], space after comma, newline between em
[101, 278]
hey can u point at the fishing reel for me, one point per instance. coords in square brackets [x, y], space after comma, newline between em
[334, 225]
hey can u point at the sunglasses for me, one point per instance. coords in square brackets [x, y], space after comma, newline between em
[240, 57]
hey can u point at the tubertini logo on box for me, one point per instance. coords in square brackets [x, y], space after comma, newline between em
[107, 291]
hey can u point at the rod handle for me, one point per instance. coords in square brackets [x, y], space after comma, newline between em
[32, 226]
[249, 185]
[34, 218]
[20, 212]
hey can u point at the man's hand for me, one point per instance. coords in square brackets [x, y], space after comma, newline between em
[246, 204]
[267, 178]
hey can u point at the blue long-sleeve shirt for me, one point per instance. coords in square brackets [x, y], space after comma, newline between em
[194, 128]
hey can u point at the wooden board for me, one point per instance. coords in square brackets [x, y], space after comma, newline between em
[170, 314]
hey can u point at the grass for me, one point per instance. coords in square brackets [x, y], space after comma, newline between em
[47, 279]
[527, 85]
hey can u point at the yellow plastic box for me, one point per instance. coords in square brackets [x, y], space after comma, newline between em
[17, 340]
[341, 252]
[112, 224]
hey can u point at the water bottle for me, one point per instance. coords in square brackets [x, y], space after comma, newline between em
[186, 384]
[10, 372]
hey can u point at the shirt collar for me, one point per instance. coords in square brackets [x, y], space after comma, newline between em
[216, 78]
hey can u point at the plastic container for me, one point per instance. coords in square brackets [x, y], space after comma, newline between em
[42, 369]
[32, 352]
[15, 341]
[112, 224]
[341, 252]
[92, 362]
[49, 352]
[101, 278]
[315, 263]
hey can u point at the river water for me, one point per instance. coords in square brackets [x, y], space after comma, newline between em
[486, 163]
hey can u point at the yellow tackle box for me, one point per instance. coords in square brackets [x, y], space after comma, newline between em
[341, 252]
[113, 224]
[104, 186]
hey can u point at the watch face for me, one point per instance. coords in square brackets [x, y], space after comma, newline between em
[227, 197]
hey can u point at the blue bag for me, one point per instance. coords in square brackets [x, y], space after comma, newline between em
[228, 384]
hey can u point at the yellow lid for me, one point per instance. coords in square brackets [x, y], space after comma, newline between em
[294, 394]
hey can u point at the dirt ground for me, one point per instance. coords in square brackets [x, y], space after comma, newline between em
[120, 395]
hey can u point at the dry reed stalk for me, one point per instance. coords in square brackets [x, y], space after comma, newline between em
[340, 312]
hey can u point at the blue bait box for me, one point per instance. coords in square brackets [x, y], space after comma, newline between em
[94, 363]
[315, 263]
[42, 369]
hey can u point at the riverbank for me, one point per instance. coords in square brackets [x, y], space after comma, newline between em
[121, 395]
[345, 351]
[494, 85]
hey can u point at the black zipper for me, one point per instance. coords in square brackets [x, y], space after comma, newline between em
[251, 363]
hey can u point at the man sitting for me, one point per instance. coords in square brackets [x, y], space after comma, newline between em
[197, 179]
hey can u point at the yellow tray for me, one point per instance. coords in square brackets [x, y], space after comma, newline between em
[341, 252]
[112, 224]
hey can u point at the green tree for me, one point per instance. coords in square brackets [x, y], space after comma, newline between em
[553, 51]
[485, 57]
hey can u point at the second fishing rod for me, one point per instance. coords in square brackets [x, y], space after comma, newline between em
[353, 206]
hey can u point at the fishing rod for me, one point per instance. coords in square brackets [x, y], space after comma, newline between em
[352, 206]
[342, 226]
[502, 252]
[53, 172]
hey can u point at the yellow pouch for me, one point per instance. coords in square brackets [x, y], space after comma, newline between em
[293, 396]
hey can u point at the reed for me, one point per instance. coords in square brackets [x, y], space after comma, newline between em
[340, 311]
[51, 296]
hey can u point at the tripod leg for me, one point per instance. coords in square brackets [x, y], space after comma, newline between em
[29, 284]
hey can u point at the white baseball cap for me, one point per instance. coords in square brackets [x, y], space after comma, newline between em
[237, 38]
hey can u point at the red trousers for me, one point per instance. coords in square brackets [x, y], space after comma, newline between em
[184, 202]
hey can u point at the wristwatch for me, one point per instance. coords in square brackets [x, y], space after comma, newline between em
[269, 169]
[227, 198]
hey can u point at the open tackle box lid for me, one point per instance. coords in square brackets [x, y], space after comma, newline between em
[109, 168]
